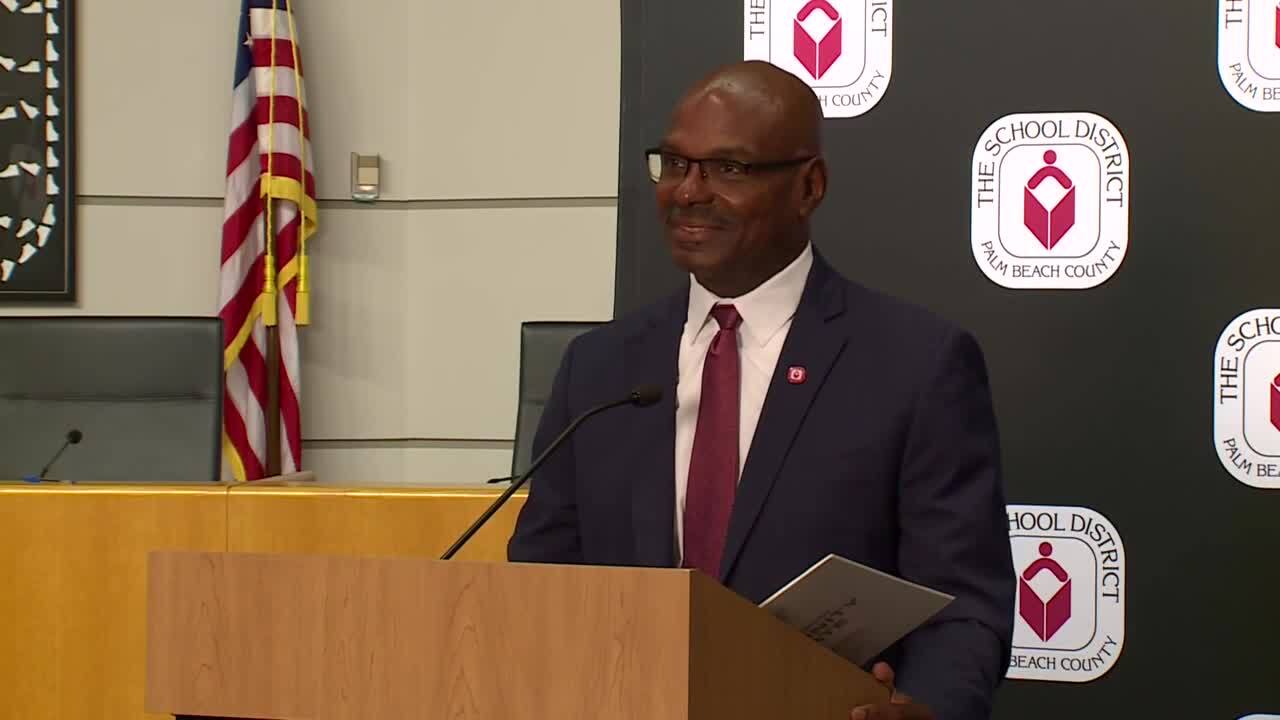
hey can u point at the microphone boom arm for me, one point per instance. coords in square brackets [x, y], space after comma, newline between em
[506, 494]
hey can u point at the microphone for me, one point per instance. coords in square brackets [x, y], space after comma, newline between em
[642, 396]
[74, 437]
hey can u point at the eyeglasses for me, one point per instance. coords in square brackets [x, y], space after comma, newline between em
[665, 166]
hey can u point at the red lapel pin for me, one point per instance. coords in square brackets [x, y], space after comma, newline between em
[796, 374]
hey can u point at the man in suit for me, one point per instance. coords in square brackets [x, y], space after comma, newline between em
[803, 414]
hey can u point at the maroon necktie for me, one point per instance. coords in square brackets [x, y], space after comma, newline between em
[713, 464]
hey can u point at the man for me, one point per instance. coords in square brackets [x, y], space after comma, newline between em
[803, 414]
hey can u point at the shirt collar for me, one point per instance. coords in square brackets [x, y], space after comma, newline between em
[764, 310]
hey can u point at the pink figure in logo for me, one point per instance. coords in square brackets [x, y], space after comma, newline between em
[1275, 402]
[818, 54]
[1049, 225]
[1278, 24]
[1046, 617]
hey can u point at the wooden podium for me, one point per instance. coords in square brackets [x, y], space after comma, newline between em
[290, 637]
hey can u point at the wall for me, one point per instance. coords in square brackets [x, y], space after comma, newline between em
[499, 153]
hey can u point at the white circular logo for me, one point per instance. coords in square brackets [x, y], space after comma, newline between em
[1050, 201]
[1246, 398]
[842, 48]
[1069, 614]
[1249, 52]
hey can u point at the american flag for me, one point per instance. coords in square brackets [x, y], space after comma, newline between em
[269, 214]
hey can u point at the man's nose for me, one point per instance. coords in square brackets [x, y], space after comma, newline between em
[693, 188]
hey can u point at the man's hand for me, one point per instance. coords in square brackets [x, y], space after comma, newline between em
[899, 706]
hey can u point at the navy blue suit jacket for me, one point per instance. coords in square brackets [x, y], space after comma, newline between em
[887, 454]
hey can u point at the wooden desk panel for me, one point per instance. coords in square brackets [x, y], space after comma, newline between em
[29, 588]
[73, 568]
[401, 521]
[73, 559]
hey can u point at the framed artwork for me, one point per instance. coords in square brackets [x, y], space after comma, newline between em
[37, 193]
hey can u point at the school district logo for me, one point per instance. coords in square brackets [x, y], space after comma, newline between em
[1050, 201]
[842, 48]
[1249, 52]
[1070, 599]
[1246, 407]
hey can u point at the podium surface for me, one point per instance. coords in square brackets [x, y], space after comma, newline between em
[312, 637]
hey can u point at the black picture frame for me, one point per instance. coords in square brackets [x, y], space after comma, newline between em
[37, 153]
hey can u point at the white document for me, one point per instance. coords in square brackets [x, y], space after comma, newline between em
[854, 610]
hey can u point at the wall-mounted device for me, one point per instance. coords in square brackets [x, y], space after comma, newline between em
[365, 177]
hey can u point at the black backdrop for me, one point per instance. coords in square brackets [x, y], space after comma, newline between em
[1105, 396]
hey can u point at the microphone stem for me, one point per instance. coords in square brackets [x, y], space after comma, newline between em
[506, 494]
[45, 470]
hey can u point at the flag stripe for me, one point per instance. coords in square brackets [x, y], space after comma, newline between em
[255, 367]
[235, 312]
[290, 424]
[261, 18]
[238, 435]
[279, 137]
[286, 110]
[236, 269]
[276, 82]
[264, 47]
[287, 239]
[242, 220]
[242, 146]
[286, 165]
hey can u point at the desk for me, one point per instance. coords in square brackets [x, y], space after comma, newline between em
[337, 521]
[73, 568]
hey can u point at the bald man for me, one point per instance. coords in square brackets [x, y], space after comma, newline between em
[804, 414]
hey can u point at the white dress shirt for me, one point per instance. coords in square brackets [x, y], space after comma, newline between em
[766, 315]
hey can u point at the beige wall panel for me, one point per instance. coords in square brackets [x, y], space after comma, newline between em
[512, 99]
[356, 349]
[148, 127]
[416, 313]
[399, 298]
[406, 465]
[357, 67]
[355, 62]
[136, 260]
[477, 275]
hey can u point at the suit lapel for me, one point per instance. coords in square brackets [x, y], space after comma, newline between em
[652, 358]
[813, 344]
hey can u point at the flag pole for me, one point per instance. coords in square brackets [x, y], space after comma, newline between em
[272, 410]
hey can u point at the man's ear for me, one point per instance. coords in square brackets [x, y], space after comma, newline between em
[813, 187]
